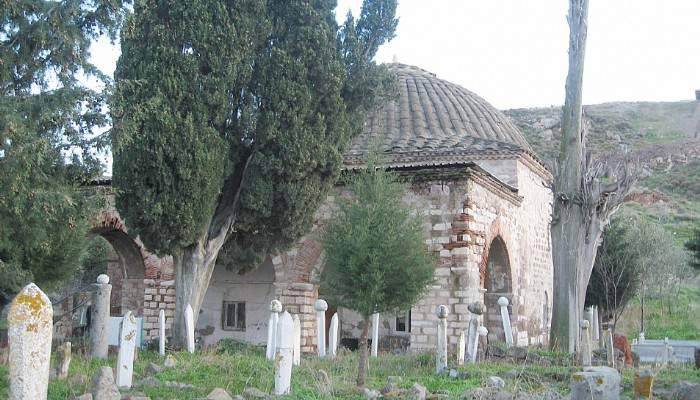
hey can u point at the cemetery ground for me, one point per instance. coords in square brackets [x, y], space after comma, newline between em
[237, 367]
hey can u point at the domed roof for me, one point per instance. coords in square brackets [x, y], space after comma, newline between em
[434, 122]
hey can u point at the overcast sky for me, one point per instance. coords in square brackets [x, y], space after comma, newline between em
[514, 52]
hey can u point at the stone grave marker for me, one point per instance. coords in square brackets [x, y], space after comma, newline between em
[284, 356]
[30, 328]
[596, 325]
[275, 310]
[297, 340]
[483, 334]
[441, 350]
[63, 358]
[321, 306]
[189, 328]
[609, 348]
[595, 383]
[375, 334]
[333, 336]
[127, 346]
[586, 351]
[161, 332]
[460, 348]
[476, 310]
[503, 303]
[100, 318]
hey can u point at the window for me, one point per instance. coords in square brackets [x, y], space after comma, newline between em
[403, 322]
[233, 318]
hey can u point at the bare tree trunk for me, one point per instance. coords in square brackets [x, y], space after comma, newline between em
[363, 354]
[569, 224]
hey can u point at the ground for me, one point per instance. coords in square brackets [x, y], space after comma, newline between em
[235, 367]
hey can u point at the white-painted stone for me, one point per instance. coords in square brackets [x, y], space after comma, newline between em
[189, 328]
[161, 332]
[127, 345]
[460, 348]
[441, 350]
[333, 336]
[321, 306]
[503, 303]
[275, 310]
[297, 340]
[586, 350]
[284, 356]
[100, 318]
[375, 334]
[30, 328]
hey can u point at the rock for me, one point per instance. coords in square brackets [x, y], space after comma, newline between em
[416, 392]
[595, 383]
[254, 393]
[169, 362]
[139, 396]
[371, 394]
[503, 395]
[517, 353]
[219, 394]
[479, 394]
[686, 391]
[103, 386]
[495, 352]
[86, 396]
[476, 308]
[453, 373]
[495, 381]
[153, 368]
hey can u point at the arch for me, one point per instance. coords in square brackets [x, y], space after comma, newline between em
[498, 282]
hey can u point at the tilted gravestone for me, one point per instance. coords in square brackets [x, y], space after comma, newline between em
[441, 351]
[284, 356]
[30, 328]
[503, 304]
[477, 309]
[127, 346]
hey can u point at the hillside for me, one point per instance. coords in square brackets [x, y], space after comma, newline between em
[663, 136]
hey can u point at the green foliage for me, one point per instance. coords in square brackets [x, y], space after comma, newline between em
[376, 258]
[238, 110]
[94, 260]
[693, 246]
[672, 314]
[49, 124]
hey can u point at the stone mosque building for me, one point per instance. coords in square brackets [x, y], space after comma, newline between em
[486, 202]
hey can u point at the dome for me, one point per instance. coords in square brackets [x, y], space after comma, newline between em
[434, 122]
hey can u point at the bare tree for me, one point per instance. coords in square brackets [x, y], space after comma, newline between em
[587, 193]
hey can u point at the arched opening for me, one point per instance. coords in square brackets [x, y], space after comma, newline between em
[126, 271]
[497, 282]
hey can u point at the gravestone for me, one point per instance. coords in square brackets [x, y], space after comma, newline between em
[503, 304]
[189, 328]
[63, 358]
[321, 306]
[375, 334]
[100, 318]
[596, 325]
[460, 349]
[483, 335]
[161, 332]
[127, 346]
[284, 356]
[30, 328]
[441, 351]
[333, 336]
[643, 384]
[297, 340]
[103, 386]
[609, 348]
[476, 309]
[586, 351]
[595, 383]
[275, 310]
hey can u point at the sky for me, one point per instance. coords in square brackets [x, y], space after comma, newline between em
[513, 53]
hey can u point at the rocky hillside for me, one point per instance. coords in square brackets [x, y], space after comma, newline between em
[665, 137]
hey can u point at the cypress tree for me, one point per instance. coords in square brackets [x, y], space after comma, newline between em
[229, 123]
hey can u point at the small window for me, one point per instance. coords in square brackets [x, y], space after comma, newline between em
[233, 318]
[403, 322]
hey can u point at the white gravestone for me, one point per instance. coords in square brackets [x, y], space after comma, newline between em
[100, 318]
[483, 333]
[476, 310]
[189, 328]
[586, 342]
[333, 337]
[297, 340]
[30, 328]
[161, 332]
[460, 349]
[441, 352]
[275, 310]
[375, 334]
[125, 358]
[321, 306]
[284, 356]
[596, 326]
[503, 303]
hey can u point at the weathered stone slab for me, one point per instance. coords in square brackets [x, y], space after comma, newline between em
[586, 350]
[596, 383]
[127, 346]
[63, 358]
[503, 304]
[460, 348]
[103, 386]
[284, 356]
[100, 317]
[30, 328]
[441, 350]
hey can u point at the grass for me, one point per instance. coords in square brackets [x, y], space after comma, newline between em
[235, 368]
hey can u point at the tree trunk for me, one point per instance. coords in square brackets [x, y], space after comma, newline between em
[569, 222]
[363, 353]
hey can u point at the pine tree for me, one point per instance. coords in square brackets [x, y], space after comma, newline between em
[229, 123]
[376, 258]
[48, 134]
